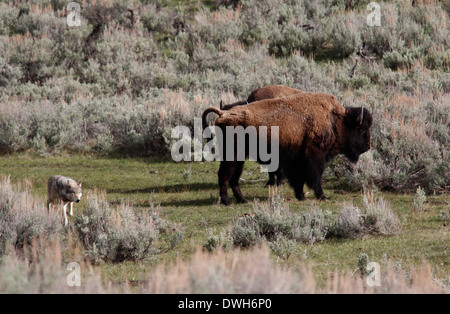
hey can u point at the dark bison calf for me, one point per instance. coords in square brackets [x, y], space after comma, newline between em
[313, 129]
[266, 92]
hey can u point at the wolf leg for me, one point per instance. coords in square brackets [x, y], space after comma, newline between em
[66, 221]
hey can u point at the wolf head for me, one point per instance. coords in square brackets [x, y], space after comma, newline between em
[73, 191]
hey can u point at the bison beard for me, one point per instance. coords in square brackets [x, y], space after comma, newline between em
[313, 129]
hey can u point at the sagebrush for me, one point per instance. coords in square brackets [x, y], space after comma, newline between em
[123, 79]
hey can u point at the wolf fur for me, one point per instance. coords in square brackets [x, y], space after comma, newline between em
[63, 190]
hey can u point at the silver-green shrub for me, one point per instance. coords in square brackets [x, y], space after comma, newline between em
[419, 199]
[274, 223]
[23, 218]
[375, 218]
[126, 89]
[123, 233]
[349, 222]
[379, 217]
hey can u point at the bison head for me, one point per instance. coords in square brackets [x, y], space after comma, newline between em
[357, 123]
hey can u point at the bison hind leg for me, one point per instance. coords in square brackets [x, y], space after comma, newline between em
[280, 177]
[297, 181]
[276, 177]
[271, 181]
[234, 182]
[225, 172]
[316, 167]
[229, 173]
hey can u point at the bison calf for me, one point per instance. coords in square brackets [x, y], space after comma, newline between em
[263, 93]
[313, 129]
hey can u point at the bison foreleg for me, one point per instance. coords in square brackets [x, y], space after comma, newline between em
[298, 189]
[315, 168]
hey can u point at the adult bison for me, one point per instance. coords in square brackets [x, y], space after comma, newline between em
[266, 92]
[313, 129]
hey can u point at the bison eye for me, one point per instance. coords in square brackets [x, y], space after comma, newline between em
[363, 132]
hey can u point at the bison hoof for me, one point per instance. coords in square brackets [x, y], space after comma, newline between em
[242, 201]
[225, 201]
[323, 198]
[270, 183]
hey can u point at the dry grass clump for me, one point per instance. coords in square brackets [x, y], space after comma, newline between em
[376, 218]
[22, 217]
[233, 272]
[47, 270]
[254, 271]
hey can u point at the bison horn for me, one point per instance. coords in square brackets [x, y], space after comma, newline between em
[221, 104]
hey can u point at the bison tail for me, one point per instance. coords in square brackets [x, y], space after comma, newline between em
[205, 115]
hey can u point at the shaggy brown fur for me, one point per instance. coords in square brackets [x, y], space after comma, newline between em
[271, 92]
[313, 128]
[313, 109]
[266, 92]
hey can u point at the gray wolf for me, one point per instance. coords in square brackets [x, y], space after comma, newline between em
[63, 190]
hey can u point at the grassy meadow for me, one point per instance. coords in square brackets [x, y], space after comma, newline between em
[187, 193]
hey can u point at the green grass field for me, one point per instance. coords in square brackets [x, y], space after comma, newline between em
[187, 193]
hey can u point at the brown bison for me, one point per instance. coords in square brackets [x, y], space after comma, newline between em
[266, 92]
[313, 129]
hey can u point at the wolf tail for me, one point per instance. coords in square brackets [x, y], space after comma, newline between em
[208, 111]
